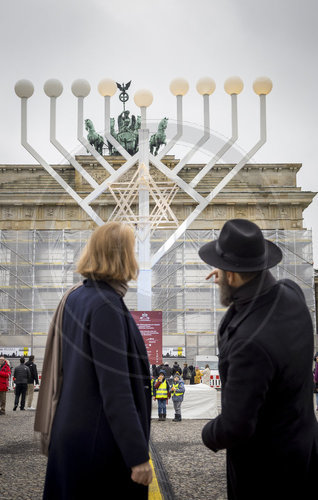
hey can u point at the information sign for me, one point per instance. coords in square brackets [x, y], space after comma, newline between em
[150, 326]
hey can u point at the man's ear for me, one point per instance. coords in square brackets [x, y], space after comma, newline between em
[230, 277]
[234, 279]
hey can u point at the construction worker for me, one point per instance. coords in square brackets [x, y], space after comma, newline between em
[162, 394]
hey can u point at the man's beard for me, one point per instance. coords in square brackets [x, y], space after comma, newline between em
[226, 291]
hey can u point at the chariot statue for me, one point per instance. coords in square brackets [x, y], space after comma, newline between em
[127, 133]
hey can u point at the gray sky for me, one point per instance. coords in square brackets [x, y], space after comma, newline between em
[151, 43]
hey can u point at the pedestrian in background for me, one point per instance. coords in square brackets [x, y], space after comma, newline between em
[186, 374]
[176, 368]
[21, 375]
[99, 438]
[177, 394]
[154, 370]
[5, 373]
[197, 377]
[168, 372]
[162, 394]
[160, 368]
[33, 379]
[267, 422]
[191, 374]
[206, 375]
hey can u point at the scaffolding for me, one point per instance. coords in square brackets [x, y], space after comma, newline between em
[37, 267]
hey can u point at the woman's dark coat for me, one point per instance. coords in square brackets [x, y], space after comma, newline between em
[267, 423]
[102, 422]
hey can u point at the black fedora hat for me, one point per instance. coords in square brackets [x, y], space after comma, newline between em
[241, 247]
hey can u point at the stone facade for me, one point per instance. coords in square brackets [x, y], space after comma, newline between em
[265, 193]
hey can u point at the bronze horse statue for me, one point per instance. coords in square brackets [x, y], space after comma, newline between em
[159, 138]
[95, 139]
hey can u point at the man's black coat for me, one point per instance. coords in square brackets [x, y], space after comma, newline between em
[33, 372]
[267, 422]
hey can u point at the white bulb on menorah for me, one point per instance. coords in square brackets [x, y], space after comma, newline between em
[143, 187]
[25, 89]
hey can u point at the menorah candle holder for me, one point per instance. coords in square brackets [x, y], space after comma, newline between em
[142, 186]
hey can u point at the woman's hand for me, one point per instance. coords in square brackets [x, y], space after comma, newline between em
[142, 474]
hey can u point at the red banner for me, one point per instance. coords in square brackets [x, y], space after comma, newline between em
[150, 326]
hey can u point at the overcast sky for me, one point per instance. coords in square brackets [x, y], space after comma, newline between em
[151, 42]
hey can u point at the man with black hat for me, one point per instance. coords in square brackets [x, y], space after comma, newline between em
[267, 422]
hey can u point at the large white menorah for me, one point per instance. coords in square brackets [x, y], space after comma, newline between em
[143, 187]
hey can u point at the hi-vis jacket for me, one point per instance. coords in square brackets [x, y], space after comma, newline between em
[161, 389]
[177, 391]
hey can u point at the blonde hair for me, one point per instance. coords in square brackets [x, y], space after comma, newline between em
[110, 254]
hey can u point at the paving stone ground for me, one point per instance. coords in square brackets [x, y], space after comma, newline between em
[193, 471]
[22, 468]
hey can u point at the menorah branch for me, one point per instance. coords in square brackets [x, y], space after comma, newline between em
[198, 210]
[90, 212]
[62, 150]
[179, 133]
[206, 136]
[224, 148]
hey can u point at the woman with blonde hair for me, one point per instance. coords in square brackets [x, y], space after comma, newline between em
[98, 437]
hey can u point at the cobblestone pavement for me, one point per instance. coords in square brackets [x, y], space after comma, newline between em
[192, 471]
[22, 468]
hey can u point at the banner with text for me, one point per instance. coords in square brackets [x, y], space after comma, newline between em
[150, 326]
[15, 352]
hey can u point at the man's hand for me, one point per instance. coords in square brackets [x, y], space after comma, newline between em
[142, 474]
[214, 273]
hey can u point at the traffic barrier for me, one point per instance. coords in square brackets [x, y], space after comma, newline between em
[215, 381]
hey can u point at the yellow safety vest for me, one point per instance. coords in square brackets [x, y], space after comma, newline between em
[152, 384]
[162, 391]
[176, 393]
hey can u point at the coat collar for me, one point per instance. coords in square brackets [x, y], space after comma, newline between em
[253, 289]
[88, 282]
[246, 299]
[120, 287]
